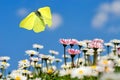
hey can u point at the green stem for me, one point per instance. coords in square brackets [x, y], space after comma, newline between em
[65, 54]
[46, 64]
[72, 61]
[95, 56]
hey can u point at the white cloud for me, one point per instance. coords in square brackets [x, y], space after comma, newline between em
[104, 11]
[115, 7]
[99, 20]
[108, 17]
[57, 21]
[22, 12]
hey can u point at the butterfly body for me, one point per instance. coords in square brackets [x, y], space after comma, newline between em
[37, 20]
[38, 13]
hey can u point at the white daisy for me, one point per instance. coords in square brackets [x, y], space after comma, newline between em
[81, 72]
[66, 56]
[31, 52]
[4, 65]
[53, 52]
[108, 44]
[44, 56]
[18, 76]
[115, 41]
[66, 66]
[105, 63]
[82, 43]
[23, 63]
[34, 59]
[4, 58]
[38, 46]
[64, 72]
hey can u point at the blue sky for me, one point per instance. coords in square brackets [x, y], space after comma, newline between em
[76, 16]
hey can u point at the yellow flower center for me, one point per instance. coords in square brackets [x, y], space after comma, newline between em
[93, 67]
[33, 52]
[17, 78]
[80, 71]
[50, 71]
[105, 62]
[25, 71]
[24, 61]
[3, 63]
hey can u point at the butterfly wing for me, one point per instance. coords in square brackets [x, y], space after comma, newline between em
[39, 25]
[28, 22]
[46, 15]
[32, 21]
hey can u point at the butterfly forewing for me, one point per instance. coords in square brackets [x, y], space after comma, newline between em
[28, 22]
[46, 15]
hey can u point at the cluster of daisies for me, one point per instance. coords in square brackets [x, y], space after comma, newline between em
[82, 60]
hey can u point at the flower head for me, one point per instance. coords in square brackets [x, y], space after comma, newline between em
[44, 56]
[17, 75]
[87, 42]
[4, 65]
[38, 65]
[96, 43]
[4, 58]
[108, 44]
[50, 71]
[81, 43]
[118, 50]
[31, 52]
[38, 46]
[105, 63]
[66, 56]
[65, 66]
[115, 41]
[81, 72]
[23, 63]
[73, 51]
[53, 52]
[34, 59]
[65, 41]
[73, 41]
[65, 72]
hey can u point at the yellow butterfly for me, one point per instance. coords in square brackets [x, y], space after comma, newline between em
[37, 20]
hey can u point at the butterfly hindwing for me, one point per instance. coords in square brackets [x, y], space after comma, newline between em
[46, 15]
[28, 22]
[39, 25]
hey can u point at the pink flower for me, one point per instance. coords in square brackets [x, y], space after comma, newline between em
[118, 50]
[73, 51]
[98, 40]
[96, 43]
[73, 41]
[65, 41]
